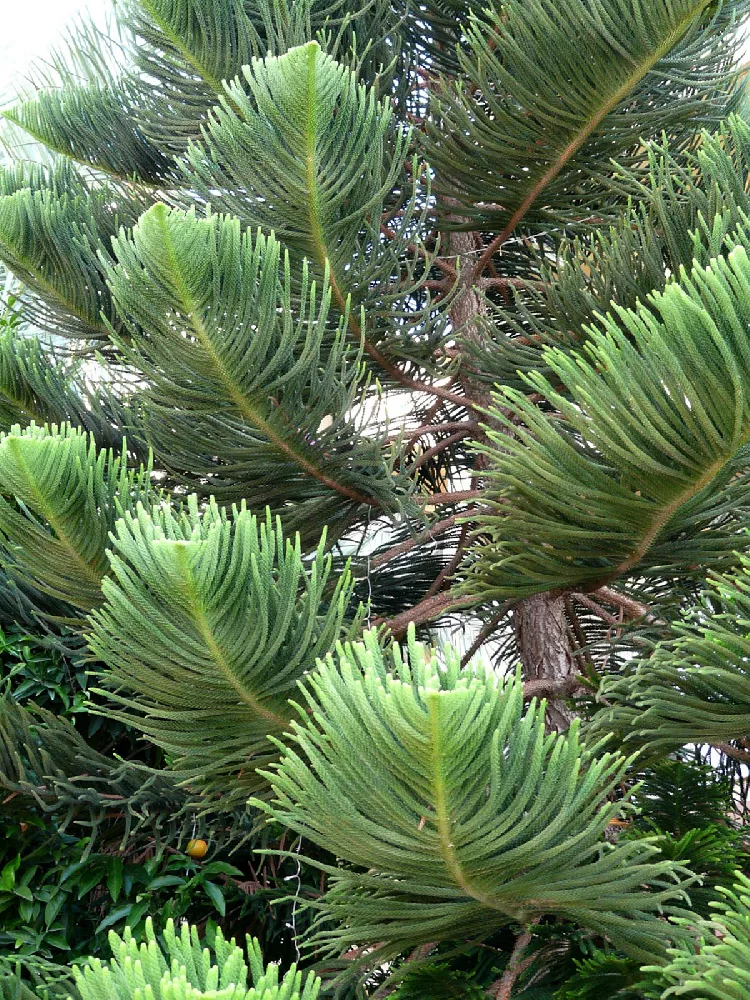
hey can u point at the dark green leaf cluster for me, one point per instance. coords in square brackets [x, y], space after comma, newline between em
[641, 468]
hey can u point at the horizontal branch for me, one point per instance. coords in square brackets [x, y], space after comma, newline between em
[633, 608]
[440, 446]
[425, 536]
[734, 752]
[459, 496]
[486, 631]
[427, 610]
[424, 429]
[600, 612]
[548, 688]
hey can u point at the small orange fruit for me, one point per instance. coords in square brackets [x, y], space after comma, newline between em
[196, 848]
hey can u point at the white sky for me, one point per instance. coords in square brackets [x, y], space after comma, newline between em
[29, 29]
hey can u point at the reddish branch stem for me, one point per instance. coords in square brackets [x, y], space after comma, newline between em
[440, 446]
[458, 497]
[486, 632]
[633, 608]
[426, 536]
[425, 611]
[449, 425]
[548, 688]
[503, 988]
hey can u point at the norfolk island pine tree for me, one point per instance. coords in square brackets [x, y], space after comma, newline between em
[360, 320]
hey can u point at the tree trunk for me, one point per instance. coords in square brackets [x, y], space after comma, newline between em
[544, 646]
[539, 621]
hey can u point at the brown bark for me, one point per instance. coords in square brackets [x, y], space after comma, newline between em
[544, 647]
[540, 625]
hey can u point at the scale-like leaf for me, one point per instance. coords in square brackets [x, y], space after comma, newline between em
[454, 811]
[717, 965]
[179, 966]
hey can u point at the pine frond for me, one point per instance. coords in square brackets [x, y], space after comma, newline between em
[183, 969]
[643, 469]
[59, 499]
[681, 213]
[453, 810]
[439, 982]
[719, 967]
[45, 760]
[695, 688]
[50, 980]
[529, 133]
[55, 229]
[679, 794]
[604, 976]
[307, 153]
[186, 52]
[210, 621]
[246, 397]
[93, 124]
[37, 386]
[182, 52]
[300, 148]
[130, 103]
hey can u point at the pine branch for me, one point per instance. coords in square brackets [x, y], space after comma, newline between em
[461, 817]
[643, 473]
[209, 622]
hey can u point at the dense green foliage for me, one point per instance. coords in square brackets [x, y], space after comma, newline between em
[334, 324]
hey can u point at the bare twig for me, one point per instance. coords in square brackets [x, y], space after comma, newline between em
[734, 752]
[440, 446]
[486, 632]
[424, 429]
[449, 569]
[549, 688]
[426, 610]
[599, 611]
[458, 497]
[633, 608]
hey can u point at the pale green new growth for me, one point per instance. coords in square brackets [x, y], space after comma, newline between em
[183, 970]
[719, 967]
[67, 496]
